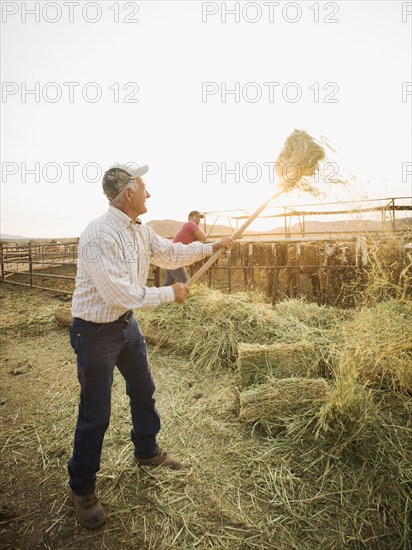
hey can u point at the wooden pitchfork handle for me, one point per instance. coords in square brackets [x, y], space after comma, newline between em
[235, 236]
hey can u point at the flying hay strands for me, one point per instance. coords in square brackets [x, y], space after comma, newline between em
[280, 401]
[258, 362]
[298, 159]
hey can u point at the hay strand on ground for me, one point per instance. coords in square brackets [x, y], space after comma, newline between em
[337, 476]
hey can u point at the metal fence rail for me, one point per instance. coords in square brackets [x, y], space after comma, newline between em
[27, 260]
[384, 211]
[291, 266]
[285, 261]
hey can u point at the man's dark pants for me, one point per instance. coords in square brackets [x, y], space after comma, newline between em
[99, 348]
[173, 276]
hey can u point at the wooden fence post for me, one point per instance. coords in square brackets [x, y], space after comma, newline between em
[1, 262]
[298, 247]
[249, 266]
[30, 265]
[275, 281]
[229, 273]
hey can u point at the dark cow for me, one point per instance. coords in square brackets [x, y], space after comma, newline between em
[301, 258]
[321, 262]
[331, 274]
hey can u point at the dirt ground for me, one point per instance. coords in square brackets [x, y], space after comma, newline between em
[239, 489]
[146, 508]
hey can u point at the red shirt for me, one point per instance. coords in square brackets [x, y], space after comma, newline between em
[186, 233]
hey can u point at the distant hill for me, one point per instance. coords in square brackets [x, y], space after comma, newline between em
[344, 225]
[6, 237]
[169, 228]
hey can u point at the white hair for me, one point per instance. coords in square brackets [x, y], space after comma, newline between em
[119, 199]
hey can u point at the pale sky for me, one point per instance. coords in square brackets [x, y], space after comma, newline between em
[346, 77]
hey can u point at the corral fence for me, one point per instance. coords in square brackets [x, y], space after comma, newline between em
[297, 260]
[315, 268]
[321, 270]
[29, 263]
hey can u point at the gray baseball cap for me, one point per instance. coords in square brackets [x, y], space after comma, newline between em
[118, 176]
[195, 213]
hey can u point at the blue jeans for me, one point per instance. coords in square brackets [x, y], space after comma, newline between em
[99, 348]
[178, 275]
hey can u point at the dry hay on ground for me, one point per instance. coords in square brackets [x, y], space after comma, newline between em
[331, 475]
[339, 476]
[346, 470]
[378, 341]
[210, 326]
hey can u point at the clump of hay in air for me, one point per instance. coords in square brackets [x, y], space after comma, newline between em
[298, 159]
[274, 404]
[258, 362]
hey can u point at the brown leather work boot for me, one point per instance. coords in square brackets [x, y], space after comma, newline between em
[161, 459]
[89, 512]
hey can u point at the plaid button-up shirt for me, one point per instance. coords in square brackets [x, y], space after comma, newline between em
[114, 257]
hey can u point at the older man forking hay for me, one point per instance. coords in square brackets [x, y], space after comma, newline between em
[115, 251]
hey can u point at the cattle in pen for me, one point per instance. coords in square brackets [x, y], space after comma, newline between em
[321, 263]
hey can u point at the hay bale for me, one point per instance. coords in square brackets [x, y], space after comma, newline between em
[258, 362]
[279, 401]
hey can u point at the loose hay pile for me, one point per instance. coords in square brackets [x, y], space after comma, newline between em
[211, 325]
[379, 343]
[338, 474]
[341, 475]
